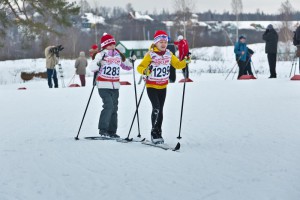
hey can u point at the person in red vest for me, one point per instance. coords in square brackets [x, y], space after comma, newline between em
[183, 48]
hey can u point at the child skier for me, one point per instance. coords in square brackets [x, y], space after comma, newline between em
[156, 66]
[107, 63]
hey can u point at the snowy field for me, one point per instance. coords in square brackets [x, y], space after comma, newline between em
[240, 140]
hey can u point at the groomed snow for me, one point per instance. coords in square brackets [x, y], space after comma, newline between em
[240, 140]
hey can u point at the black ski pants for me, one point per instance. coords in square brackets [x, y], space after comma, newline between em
[272, 64]
[242, 66]
[157, 98]
[248, 70]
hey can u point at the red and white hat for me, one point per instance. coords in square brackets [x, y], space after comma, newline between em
[107, 40]
[94, 47]
[160, 35]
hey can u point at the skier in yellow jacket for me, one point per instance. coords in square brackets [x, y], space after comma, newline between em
[156, 66]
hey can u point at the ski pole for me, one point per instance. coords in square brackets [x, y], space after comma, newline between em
[87, 105]
[244, 68]
[234, 74]
[254, 69]
[136, 101]
[150, 68]
[295, 67]
[230, 71]
[136, 111]
[291, 69]
[233, 67]
[72, 79]
[182, 103]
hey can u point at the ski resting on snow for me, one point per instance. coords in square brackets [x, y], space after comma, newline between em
[123, 140]
[162, 146]
[142, 141]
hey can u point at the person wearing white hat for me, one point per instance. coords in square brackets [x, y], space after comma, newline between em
[183, 48]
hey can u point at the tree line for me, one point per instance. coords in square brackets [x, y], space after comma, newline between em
[28, 26]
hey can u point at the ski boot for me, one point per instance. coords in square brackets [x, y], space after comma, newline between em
[104, 133]
[156, 137]
[113, 134]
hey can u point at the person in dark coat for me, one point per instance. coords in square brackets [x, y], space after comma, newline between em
[296, 42]
[271, 38]
[248, 70]
[298, 35]
[241, 51]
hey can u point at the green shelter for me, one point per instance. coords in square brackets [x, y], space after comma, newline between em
[140, 47]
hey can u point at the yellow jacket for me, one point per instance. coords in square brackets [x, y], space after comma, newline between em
[175, 62]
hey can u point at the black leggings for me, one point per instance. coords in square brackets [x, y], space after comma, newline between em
[157, 98]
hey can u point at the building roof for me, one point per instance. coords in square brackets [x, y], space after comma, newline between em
[136, 15]
[93, 19]
[137, 44]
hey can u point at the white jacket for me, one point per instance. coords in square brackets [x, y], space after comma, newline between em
[110, 62]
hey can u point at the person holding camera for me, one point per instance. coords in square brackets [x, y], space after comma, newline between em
[51, 61]
[271, 38]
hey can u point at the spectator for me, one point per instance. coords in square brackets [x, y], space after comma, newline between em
[51, 61]
[271, 38]
[183, 48]
[80, 65]
[241, 51]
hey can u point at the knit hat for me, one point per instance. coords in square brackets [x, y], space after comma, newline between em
[180, 37]
[94, 47]
[242, 37]
[160, 35]
[270, 26]
[82, 54]
[107, 40]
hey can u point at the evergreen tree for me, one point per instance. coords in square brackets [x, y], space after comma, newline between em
[36, 16]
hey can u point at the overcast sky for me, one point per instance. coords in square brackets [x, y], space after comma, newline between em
[268, 6]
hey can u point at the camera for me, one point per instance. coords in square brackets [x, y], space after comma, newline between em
[56, 50]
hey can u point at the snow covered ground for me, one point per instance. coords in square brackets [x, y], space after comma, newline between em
[240, 140]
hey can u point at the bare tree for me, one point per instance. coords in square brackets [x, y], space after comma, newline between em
[237, 9]
[84, 7]
[183, 9]
[285, 30]
[286, 10]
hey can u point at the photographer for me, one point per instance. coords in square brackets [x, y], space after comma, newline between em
[51, 61]
[271, 38]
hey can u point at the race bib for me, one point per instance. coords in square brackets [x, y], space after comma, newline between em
[110, 71]
[160, 69]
